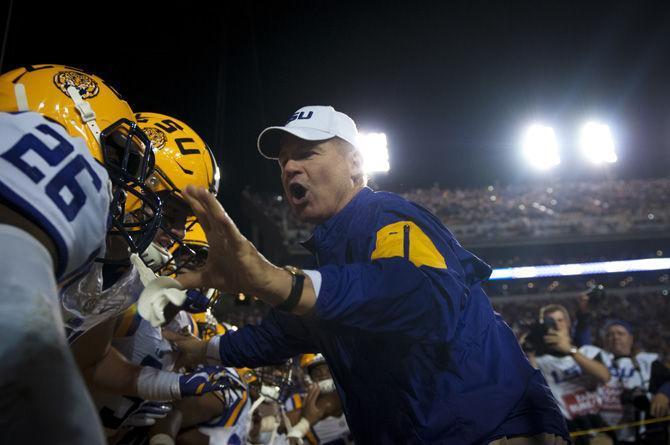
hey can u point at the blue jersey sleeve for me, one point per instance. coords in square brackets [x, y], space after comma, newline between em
[278, 337]
[389, 295]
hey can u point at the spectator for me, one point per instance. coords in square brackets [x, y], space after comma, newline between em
[573, 373]
[639, 387]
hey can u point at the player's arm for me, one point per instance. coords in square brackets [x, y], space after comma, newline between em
[108, 370]
[185, 414]
[309, 414]
[103, 367]
[10, 217]
[188, 413]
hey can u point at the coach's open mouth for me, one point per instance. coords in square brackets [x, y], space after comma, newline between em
[297, 192]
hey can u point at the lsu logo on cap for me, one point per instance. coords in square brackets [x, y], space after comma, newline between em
[300, 115]
[86, 85]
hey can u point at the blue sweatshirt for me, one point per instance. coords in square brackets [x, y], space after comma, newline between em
[417, 353]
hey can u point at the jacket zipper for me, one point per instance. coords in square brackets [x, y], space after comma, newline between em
[405, 243]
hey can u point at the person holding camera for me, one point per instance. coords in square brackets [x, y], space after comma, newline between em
[573, 374]
[639, 387]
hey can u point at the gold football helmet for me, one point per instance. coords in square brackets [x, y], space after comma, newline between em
[89, 108]
[309, 360]
[182, 158]
[248, 375]
[208, 325]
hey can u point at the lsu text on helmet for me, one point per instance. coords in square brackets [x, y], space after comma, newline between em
[182, 158]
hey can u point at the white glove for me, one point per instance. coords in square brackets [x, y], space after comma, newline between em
[157, 293]
[155, 256]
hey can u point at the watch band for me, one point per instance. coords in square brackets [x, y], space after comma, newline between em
[297, 284]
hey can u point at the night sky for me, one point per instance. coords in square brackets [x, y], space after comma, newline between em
[451, 84]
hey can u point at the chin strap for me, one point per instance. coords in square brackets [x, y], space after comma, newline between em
[85, 111]
[21, 97]
[155, 256]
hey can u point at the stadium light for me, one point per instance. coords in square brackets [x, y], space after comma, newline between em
[540, 147]
[597, 144]
[562, 270]
[373, 147]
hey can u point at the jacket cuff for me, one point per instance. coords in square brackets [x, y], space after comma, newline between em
[315, 277]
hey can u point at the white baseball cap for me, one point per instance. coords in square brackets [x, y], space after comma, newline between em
[311, 123]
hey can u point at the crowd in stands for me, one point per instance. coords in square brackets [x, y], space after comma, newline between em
[559, 210]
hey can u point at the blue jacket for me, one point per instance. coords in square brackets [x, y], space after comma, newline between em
[416, 351]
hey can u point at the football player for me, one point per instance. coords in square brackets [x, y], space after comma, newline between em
[220, 417]
[144, 345]
[181, 158]
[188, 160]
[318, 416]
[65, 138]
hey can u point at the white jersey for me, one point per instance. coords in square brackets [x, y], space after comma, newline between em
[232, 427]
[332, 429]
[576, 393]
[141, 343]
[53, 180]
[85, 304]
[627, 373]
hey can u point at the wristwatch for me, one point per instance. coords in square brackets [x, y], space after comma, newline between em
[297, 284]
[573, 350]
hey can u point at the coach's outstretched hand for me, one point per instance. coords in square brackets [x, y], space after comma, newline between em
[233, 263]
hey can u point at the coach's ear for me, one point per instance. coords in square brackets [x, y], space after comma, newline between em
[357, 172]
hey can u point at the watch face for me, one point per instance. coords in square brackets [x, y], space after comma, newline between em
[293, 270]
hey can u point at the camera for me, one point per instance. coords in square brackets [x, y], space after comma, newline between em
[636, 397]
[535, 338]
[596, 295]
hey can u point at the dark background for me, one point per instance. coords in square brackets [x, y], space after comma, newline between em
[452, 84]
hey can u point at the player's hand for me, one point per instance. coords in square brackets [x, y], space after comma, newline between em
[558, 341]
[233, 264]
[310, 408]
[191, 351]
[196, 302]
[203, 380]
[660, 405]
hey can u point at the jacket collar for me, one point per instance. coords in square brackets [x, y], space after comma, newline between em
[323, 230]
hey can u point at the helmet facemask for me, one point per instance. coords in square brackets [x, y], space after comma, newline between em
[128, 157]
[276, 381]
